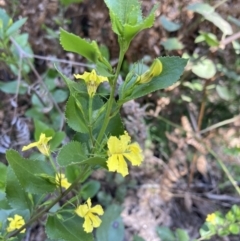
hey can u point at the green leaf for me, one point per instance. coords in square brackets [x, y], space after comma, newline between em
[202, 8]
[68, 229]
[15, 26]
[96, 161]
[234, 228]
[26, 171]
[234, 21]
[206, 231]
[60, 95]
[73, 43]
[172, 44]
[112, 227]
[218, 21]
[41, 127]
[72, 153]
[16, 195]
[74, 116]
[169, 25]
[182, 235]
[90, 189]
[3, 175]
[172, 70]
[204, 68]
[57, 140]
[74, 87]
[138, 238]
[5, 19]
[165, 234]
[11, 87]
[195, 85]
[209, 14]
[223, 92]
[68, 2]
[211, 39]
[127, 20]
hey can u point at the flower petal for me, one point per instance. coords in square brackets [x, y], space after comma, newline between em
[97, 209]
[122, 166]
[87, 225]
[96, 221]
[112, 163]
[31, 145]
[82, 210]
[89, 203]
[135, 156]
[113, 145]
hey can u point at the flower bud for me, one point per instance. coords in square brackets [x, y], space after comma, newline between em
[155, 70]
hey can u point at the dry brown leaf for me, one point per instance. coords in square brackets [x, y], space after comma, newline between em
[187, 126]
[202, 165]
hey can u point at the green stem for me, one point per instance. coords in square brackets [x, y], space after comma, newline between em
[224, 168]
[46, 209]
[52, 163]
[111, 98]
[90, 119]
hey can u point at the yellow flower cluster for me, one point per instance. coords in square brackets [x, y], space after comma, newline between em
[41, 145]
[92, 81]
[16, 223]
[62, 181]
[211, 218]
[90, 215]
[118, 150]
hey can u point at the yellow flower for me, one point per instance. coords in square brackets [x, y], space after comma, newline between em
[211, 218]
[41, 145]
[120, 148]
[155, 70]
[88, 212]
[16, 223]
[92, 81]
[62, 181]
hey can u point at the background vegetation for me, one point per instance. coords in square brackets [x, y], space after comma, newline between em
[189, 132]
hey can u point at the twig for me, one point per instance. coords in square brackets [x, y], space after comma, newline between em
[219, 124]
[27, 55]
[203, 103]
[50, 96]
[230, 39]
[219, 3]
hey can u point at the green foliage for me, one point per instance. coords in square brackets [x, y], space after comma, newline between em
[222, 225]
[167, 235]
[172, 44]
[208, 12]
[66, 228]
[209, 38]
[68, 2]
[11, 87]
[169, 25]
[204, 68]
[127, 20]
[112, 226]
[172, 70]
[26, 172]
[16, 196]
[72, 153]
[76, 44]
[39, 185]
[90, 189]
[137, 238]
